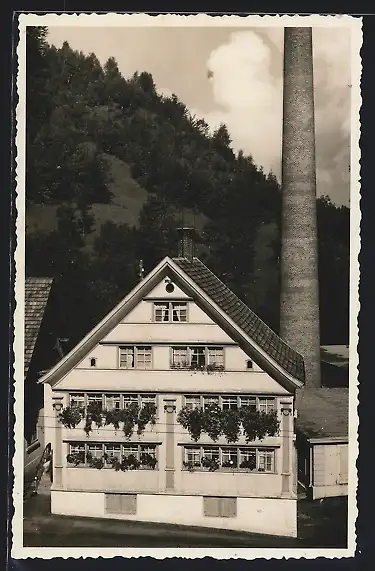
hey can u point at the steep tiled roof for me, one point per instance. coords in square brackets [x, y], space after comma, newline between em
[37, 291]
[250, 323]
[322, 412]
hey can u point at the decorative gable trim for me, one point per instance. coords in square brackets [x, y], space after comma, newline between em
[167, 265]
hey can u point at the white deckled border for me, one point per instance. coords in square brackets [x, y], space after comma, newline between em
[200, 20]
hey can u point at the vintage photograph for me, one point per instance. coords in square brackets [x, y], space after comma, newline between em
[186, 285]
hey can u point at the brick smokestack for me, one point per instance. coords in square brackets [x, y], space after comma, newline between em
[299, 317]
[186, 243]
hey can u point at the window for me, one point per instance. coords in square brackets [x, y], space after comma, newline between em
[139, 357]
[143, 357]
[266, 460]
[179, 312]
[148, 449]
[249, 401]
[211, 400]
[76, 447]
[95, 397]
[180, 357]
[249, 364]
[193, 402]
[77, 399]
[96, 450]
[219, 507]
[145, 454]
[170, 312]
[233, 402]
[93, 362]
[211, 453]
[130, 451]
[112, 451]
[229, 457]
[112, 402]
[130, 399]
[198, 357]
[127, 357]
[216, 356]
[247, 458]
[121, 503]
[148, 399]
[266, 404]
[161, 312]
[193, 456]
[229, 403]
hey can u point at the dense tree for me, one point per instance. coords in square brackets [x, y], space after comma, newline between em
[78, 115]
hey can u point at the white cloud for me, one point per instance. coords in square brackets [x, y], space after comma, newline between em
[247, 89]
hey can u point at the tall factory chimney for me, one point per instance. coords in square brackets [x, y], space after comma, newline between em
[299, 312]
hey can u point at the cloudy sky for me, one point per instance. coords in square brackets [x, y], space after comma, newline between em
[244, 88]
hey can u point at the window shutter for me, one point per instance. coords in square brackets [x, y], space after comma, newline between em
[228, 507]
[211, 507]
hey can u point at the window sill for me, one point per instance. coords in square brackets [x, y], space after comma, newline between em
[33, 446]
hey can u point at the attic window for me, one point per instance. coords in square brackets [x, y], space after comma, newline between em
[249, 364]
[93, 362]
[169, 288]
[167, 312]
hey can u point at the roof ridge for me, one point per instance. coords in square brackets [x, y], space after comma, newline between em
[253, 312]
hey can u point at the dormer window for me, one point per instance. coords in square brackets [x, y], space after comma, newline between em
[170, 312]
[93, 362]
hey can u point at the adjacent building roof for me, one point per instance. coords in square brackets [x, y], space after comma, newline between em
[337, 355]
[322, 412]
[37, 291]
[242, 315]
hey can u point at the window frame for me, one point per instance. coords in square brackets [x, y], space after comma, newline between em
[139, 398]
[135, 448]
[170, 306]
[200, 350]
[219, 398]
[220, 452]
[136, 349]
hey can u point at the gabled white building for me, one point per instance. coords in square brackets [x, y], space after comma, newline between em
[122, 448]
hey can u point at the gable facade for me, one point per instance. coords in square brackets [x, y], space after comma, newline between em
[169, 349]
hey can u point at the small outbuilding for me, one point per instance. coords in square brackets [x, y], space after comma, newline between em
[322, 440]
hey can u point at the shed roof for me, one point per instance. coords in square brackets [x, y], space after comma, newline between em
[337, 355]
[322, 412]
[244, 317]
[37, 291]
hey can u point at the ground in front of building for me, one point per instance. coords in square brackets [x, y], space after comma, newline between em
[321, 524]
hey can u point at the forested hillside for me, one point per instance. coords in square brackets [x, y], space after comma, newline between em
[113, 169]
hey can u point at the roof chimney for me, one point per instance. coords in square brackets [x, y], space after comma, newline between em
[186, 243]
